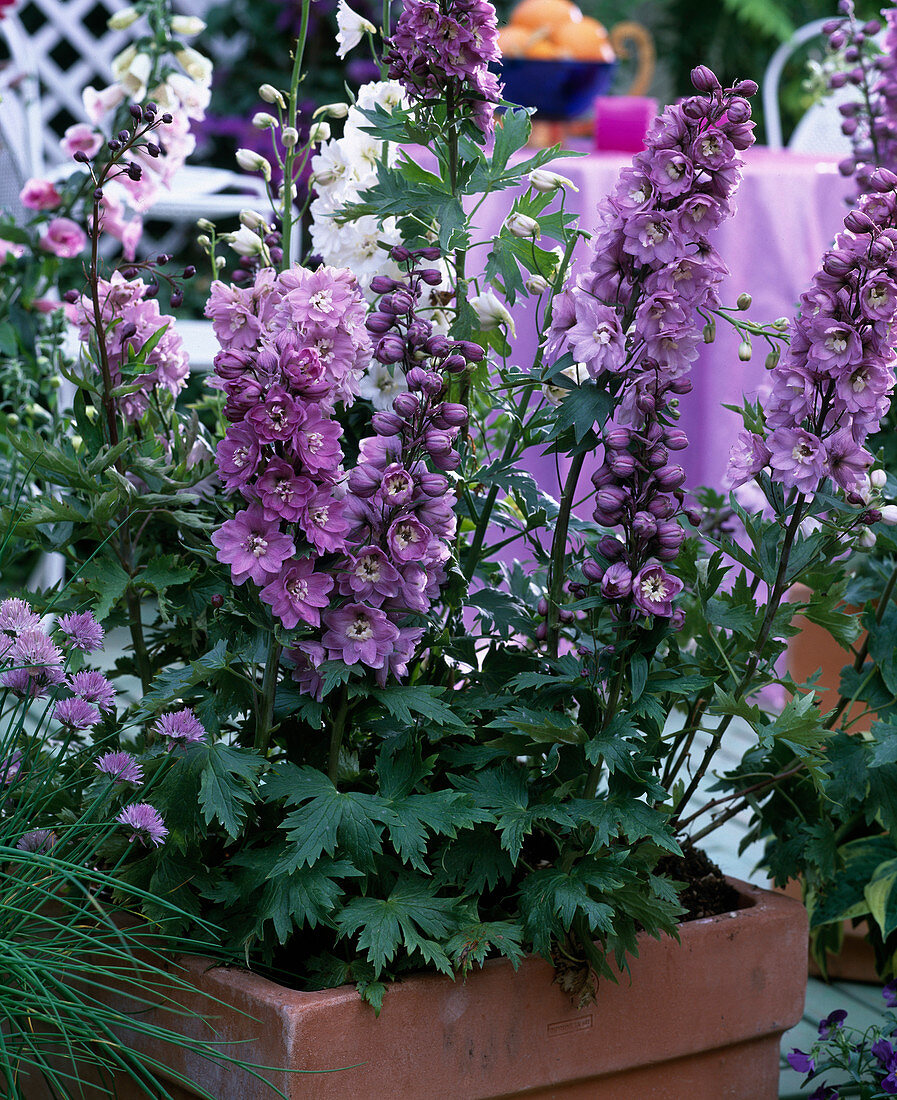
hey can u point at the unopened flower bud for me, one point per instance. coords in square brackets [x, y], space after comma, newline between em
[675, 439]
[365, 480]
[250, 161]
[121, 20]
[709, 332]
[332, 110]
[617, 581]
[535, 284]
[433, 485]
[592, 571]
[878, 479]
[542, 607]
[387, 423]
[390, 349]
[270, 94]
[867, 538]
[704, 79]
[743, 301]
[617, 438]
[541, 632]
[251, 219]
[318, 131]
[745, 351]
[261, 120]
[610, 547]
[772, 359]
[521, 225]
[889, 514]
[187, 25]
[203, 241]
[542, 180]
[454, 364]
[289, 135]
[455, 415]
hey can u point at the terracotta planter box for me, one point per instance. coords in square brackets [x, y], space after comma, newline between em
[700, 1019]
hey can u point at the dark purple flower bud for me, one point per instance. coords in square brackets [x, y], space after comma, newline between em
[113, 146]
[189, 272]
[681, 386]
[610, 548]
[622, 463]
[872, 27]
[430, 253]
[849, 126]
[437, 442]
[871, 515]
[379, 323]
[645, 403]
[152, 289]
[856, 76]
[124, 136]
[604, 475]
[365, 480]
[670, 534]
[837, 80]
[838, 264]
[417, 332]
[217, 601]
[406, 404]
[541, 632]
[883, 180]
[415, 378]
[830, 26]
[128, 330]
[542, 607]
[472, 352]
[662, 507]
[618, 438]
[383, 284]
[658, 456]
[566, 615]
[437, 345]
[402, 300]
[693, 516]
[747, 88]
[675, 439]
[617, 581]
[177, 298]
[592, 571]
[677, 619]
[390, 349]
[852, 53]
[433, 485]
[152, 149]
[168, 118]
[739, 110]
[644, 525]
[276, 255]
[82, 158]
[846, 167]
[670, 477]
[71, 296]
[695, 109]
[432, 276]
[386, 305]
[611, 498]
[432, 383]
[858, 222]
[134, 172]
[450, 461]
[241, 276]
[704, 79]
[455, 416]
[387, 423]
[135, 111]
[399, 253]
[454, 364]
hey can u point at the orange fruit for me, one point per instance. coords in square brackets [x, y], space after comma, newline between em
[583, 41]
[537, 14]
[512, 41]
[543, 48]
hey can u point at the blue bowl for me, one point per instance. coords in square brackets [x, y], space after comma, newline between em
[559, 90]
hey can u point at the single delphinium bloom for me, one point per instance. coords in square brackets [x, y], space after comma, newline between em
[146, 823]
[180, 726]
[37, 840]
[833, 383]
[76, 713]
[137, 321]
[81, 631]
[254, 547]
[633, 321]
[443, 52]
[93, 687]
[34, 665]
[121, 767]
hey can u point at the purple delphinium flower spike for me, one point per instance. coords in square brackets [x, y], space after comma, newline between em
[146, 823]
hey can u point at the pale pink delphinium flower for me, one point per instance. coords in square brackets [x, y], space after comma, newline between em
[64, 238]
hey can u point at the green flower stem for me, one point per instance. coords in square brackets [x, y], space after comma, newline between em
[336, 734]
[556, 571]
[265, 714]
[292, 112]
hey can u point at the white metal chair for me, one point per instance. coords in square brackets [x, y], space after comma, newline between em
[819, 131]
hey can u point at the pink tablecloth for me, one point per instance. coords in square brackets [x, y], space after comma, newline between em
[789, 209]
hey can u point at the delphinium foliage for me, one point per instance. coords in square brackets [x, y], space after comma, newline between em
[77, 799]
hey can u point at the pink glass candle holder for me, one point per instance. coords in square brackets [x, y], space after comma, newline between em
[621, 122]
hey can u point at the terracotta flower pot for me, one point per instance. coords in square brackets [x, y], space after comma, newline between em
[700, 1019]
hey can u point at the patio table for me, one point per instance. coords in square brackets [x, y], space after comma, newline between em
[790, 206]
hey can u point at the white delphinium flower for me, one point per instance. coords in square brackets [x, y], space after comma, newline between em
[380, 385]
[492, 313]
[351, 28]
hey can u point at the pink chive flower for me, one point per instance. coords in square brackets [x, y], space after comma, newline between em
[181, 726]
[93, 687]
[34, 664]
[16, 616]
[64, 238]
[146, 823]
[121, 767]
[81, 631]
[38, 194]
[37, 840]
[254, 547]
[76, 713]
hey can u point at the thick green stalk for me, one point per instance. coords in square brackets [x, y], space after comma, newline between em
[559, 552]
[336, 733]
[265, 715]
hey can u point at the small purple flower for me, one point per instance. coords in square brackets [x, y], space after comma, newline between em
[370, 576]
[16, 616]
[121, 767]
[324, 523]
[146, 823]
[801, 1062]
[238, 455]
[832, 1022]
[654, 589]
[82, 631]
[358, 633]
[254, 547]
[797, 458]
[847, 461]
[747, 457]
[316, 443]
[181, 725]
[298, 593]
[36, 664]
[890, 994]
[617, 581]
[408, 540]
[76, 713]
[37, 840]
[824, 1092]
[885, 1054]
[93, 687]
[284, 493]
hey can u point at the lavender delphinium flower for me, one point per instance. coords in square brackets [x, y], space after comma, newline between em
[180, 726]
[146, 823]
[121, 767]
[440, 51]
[632, 320]
[81, 631]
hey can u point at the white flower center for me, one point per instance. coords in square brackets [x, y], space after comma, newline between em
[859, 380]
[368, 569]
[361, 629]
[322, 301]
[240, 456]
[256, 545]
[601, 336]
[837, 342]
[297, 590]
[654, 589]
